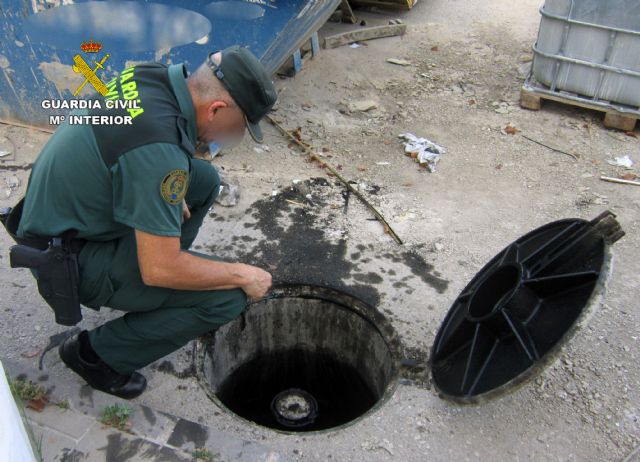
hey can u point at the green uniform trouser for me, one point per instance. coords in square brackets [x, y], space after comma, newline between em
[158, 320]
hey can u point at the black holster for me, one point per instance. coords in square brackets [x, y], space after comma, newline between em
[55, 264]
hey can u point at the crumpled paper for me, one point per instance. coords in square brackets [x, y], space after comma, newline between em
[424, 151]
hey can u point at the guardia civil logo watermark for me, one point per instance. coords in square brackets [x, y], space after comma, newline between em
[119, 95]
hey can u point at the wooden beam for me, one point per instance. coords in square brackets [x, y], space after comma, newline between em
[397, 5]
[360, 35]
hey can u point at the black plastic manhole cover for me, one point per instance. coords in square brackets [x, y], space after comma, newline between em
[527, 301]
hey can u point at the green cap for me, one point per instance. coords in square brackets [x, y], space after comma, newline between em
[248, 83]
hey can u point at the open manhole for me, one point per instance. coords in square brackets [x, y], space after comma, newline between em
[305, 359]
[311, 358]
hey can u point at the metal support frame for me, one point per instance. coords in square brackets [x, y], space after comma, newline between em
[297, 55]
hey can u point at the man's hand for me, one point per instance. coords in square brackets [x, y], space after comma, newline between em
[163, 264]
[258, 284]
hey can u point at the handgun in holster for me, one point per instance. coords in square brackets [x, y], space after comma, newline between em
[55, 267]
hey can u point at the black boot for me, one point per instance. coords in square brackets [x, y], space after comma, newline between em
[98, 374]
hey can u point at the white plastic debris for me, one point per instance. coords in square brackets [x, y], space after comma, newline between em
[6, 147]
[261, 148]
[427, 153]
[229, 193]
[13, 182]
[621, 162]
[355, 45]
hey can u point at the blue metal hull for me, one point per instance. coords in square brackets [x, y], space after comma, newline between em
[37, 49]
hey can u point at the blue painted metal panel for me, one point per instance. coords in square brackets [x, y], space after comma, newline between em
[37, 49]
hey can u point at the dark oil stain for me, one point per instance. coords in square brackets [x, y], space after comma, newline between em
[424, 271]
[374, 189]
[186, 432]
[86, 392]
[72, 455]
[392, 257]
[149, 415]
[43, 378]
[119, 448]
[168, 368]
[370, 278]
[355, 255]
[391, 272]
[301, 253]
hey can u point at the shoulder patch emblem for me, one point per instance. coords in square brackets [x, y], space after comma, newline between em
[174, 186]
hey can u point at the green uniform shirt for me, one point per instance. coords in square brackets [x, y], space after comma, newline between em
[71, 186]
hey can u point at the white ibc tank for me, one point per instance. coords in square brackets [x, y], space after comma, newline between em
[590, 47]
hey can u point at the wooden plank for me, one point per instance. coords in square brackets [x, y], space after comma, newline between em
[360, 35]
[388, 4]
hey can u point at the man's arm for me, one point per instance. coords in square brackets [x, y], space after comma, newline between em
[163, 264]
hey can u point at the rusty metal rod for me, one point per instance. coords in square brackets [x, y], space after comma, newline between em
[324, 163]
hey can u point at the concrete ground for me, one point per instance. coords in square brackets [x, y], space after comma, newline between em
[75, 427]
[467, 64]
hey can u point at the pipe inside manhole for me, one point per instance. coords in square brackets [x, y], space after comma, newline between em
[306, 359]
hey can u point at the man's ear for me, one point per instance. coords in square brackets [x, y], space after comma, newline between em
[213, 108]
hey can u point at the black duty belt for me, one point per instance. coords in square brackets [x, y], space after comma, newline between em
[10, 218]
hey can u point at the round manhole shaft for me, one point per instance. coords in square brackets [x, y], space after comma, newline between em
[307, 359]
